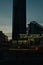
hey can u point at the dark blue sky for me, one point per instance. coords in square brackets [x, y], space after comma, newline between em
[34, 11]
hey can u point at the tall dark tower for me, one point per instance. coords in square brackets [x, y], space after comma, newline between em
[19, 18]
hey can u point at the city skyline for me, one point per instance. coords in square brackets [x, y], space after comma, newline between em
[34, 11]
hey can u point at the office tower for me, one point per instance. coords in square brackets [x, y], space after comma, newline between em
[35, 28]
[19, 18]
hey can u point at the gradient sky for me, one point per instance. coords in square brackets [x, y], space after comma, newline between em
[34, 11]
[6, 15]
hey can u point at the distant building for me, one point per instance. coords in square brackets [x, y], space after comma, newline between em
[35, 28]
[3, 37]
[19, 18]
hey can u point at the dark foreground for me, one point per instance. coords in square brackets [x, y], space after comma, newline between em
[22, 57]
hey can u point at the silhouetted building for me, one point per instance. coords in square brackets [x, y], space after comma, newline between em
[28, 29]
[19, 18]
[3, 37]
[35, 28]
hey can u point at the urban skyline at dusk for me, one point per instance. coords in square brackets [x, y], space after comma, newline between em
[34, 11]
[21, 31]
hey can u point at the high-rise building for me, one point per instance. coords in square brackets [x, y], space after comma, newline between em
[19, 18]
[35, 28]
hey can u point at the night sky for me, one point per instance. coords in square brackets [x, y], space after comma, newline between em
[34, 12]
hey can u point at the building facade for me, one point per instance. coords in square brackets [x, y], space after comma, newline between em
[3, 37]
[19, 18]
[35, 28]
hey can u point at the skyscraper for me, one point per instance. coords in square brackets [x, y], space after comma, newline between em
[19, 18]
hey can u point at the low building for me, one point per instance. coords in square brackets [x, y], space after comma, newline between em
[3, 37]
